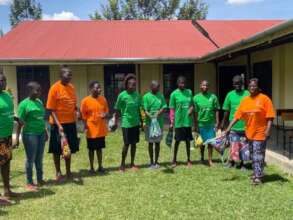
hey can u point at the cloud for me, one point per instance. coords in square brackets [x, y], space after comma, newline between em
[242, 2]
[64, 15]
[5, 2]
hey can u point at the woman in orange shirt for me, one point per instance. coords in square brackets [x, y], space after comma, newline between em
[258, 113]
[62, 105]
[94, 109]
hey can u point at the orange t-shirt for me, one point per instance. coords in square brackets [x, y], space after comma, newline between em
[91, 109]
[62, 100]
[255, 111]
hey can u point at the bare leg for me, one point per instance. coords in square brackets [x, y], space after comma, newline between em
[210, 155]
[133, 152]
[91, 159]
[100, 159]
[188, 150]
[68, 168]
[56, 159]
[124, 155]
[176, 146]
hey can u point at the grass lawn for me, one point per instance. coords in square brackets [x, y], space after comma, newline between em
[196, 193]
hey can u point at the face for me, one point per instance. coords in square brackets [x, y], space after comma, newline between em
[204, 86]
[131, 85]
[181, 84]
[66, 76]
[155, 88]
[253, 88]
[36, 92]
[96, 90]
[2, 82]
[237, 84]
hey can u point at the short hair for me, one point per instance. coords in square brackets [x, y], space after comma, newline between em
[181, 79]
[63, 68]
[127, 78]
[237, 78]
[256, 80]
[204, 81]
[92, 83]
[32, 85]
[154, 83]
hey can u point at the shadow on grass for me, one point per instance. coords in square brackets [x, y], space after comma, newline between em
[77, 179]
[232, 178]
[3, 212]
[274, 178]
[15, 174]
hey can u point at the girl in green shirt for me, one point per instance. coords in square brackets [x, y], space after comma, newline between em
[181, 109]
[206, 120]
[128, 105]
[31, 113]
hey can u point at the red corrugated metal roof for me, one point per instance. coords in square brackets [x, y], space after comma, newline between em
[74, 40]
[226, 32]
[95, 40]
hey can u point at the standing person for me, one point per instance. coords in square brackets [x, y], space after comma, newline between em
[128, 105]
[154, 105]
[94, 109]
[207, 107]
[231, 103]
[31, 113]
[61, 103]
[258, 113]
[6, 129]
[181, 109]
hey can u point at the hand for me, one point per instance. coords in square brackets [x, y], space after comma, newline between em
[267, 134]
[171, 125]
[16, 144]
[78, 115]
[195, 129]
[85, 128]
[60, 129]
[103, 115]
[190, 111]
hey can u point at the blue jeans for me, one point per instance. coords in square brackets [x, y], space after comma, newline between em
[34, 146]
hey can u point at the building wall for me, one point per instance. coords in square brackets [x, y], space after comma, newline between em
[149, 72]
[10, 73]
[205, 71]
[282, 71]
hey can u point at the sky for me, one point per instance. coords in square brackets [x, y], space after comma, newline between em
[218, 9]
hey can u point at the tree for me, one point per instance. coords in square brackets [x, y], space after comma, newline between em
[111, 11]
[194, 10]
[1, 33]
[21, 10]
[151, 9]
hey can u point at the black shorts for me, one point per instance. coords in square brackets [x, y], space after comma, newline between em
[71, 135]
[183, 134]
[131, 135]
[96, 143]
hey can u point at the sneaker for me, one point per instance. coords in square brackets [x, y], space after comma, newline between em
[151, 166]
[157, 166]
[101, 170]
[41, 183]
[31, 188]
[92, 171]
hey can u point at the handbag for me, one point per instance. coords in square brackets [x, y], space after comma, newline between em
[66, 152]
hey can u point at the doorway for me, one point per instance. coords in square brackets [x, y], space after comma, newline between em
[263, 71]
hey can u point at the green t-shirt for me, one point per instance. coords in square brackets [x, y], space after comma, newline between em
[129, 106]
[32, 113]
[231, 103]
[6, 114]
[153, 103]
[181, 101]
[206, 106]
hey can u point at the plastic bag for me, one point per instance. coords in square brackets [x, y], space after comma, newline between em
[66, 152]
[198, 142]
[219, 143]
[169, 138]
[111, 125]
[155, 129]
